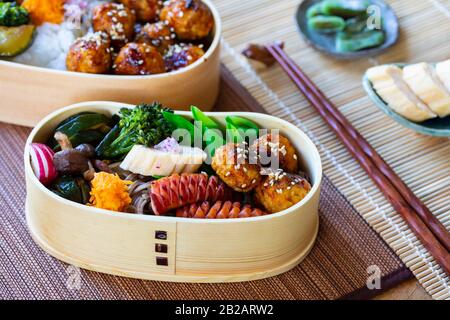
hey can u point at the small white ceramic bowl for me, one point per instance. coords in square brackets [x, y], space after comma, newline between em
[29, 93]
[198, 250]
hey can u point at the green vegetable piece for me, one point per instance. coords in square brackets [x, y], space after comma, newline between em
[102, 149]
[314, 10]
[68, 188]
[356, 24]
[144, 125]
[91, 137]
[348, 42]
[211, 131]
[326, 24]
[12, 15]
[233, 133]
[85, 190]
[15, 40]
[242, 122]
[207, 122]
[73, 117]
[179, 122]
[344, 8]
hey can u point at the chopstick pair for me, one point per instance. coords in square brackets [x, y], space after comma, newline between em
[424, 224]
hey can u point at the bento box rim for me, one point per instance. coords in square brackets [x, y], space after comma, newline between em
[212, 48]
[121, 215]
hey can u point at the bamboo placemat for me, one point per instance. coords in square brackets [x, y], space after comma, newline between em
[421, 161]
[337, 267]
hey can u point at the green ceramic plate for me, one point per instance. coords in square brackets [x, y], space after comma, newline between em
[327, 43]
[438, 127]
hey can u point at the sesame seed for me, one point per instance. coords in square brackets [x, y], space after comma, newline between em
[295, 156]
[243, 186]
[253, 181]
[227, 174]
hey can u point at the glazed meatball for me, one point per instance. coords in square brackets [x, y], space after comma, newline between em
[280, 190]
[191, 19]
[116, 20]
[231, 163]
[180, 56]
[138, 59]
[90, 54]
[278, 147]
[158, 35]
[146, 10]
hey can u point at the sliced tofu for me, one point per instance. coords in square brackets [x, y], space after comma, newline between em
[425, 83]
[443, 72]
[152, 162]
[387, 80]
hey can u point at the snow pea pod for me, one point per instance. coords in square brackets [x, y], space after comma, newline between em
[242, 122]
[212, 131]
[326, 24]
[347, 42]
[179, 122]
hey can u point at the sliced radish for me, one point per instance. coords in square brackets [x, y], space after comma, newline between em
[42, 162]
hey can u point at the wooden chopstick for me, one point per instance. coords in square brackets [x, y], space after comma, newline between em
[424, 213]
[357, 146]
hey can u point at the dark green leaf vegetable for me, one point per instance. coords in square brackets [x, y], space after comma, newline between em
[347, 42]
[14, 40]
[12, 15]
[72, 188]
[179, 122]
[144, 125]
[344, 8]
[112, 135]
[314, 10]
[326, 24]
[86, 127]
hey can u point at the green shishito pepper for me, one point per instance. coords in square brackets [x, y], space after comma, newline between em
[344, 8]
[179, 122]
[326, 24]
[72, 188]
[348, 42]
[212, 131]
[86, 127]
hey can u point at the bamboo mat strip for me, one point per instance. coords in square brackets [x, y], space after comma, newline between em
[421, 161]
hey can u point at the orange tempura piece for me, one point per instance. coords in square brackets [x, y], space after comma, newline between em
[41, 11]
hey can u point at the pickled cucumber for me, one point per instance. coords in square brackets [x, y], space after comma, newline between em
[14, 40]
[326, 24]
[350, 42]
[314, 10]
[344, 8]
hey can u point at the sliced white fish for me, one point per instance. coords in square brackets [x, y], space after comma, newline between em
[425, 83]
[387, 80]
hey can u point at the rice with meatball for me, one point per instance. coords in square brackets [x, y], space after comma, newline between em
[52, 41]
[126, 37]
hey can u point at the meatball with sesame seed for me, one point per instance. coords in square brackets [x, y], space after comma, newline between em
[276, 147]
[232, 164]
[279, 191]
[116, 20]
[146, 10]
[138, 59]
[157, 35]
[191, 19]
[90, 54]
[182, 56]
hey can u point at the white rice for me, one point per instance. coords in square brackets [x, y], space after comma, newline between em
[52, 42]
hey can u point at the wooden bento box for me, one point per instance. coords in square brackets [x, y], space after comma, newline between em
[29, 93]
[198, 250]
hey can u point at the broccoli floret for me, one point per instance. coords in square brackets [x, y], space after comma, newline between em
[12, 15]
[144, 124]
